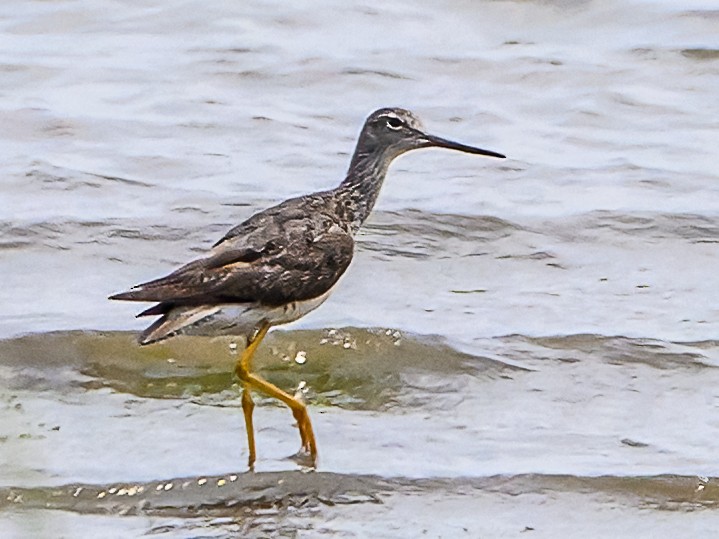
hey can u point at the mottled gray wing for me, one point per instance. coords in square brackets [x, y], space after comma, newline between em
[296, 265]
[271, 221]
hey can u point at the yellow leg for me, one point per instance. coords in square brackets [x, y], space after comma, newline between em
[248, 407]
[252, 381]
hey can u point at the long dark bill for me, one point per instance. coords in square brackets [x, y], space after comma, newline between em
[450, 144]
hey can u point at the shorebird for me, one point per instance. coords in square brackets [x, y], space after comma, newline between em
[282, 263]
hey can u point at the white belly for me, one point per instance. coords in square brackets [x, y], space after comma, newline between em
[243, 318]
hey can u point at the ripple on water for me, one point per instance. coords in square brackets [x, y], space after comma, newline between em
[618, 350]
[270, 501]
[350, 368]
[419, 234]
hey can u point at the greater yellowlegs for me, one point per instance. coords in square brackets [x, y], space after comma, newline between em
[282, 262]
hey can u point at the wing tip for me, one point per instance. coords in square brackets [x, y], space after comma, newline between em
[129, 295]
[156, 310]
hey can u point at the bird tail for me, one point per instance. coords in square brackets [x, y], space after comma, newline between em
[173, 321]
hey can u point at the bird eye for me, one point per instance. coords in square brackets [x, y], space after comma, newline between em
[394, 122]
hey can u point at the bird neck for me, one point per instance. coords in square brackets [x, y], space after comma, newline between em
[363, 182]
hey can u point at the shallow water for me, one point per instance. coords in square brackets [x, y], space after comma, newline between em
[527, 345]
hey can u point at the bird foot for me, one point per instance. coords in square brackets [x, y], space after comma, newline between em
[304, 459]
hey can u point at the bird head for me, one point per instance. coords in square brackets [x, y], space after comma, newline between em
[396, 131]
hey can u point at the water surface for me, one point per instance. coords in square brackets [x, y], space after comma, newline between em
[525, 347]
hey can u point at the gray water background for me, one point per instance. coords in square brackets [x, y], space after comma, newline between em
[521, 347]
